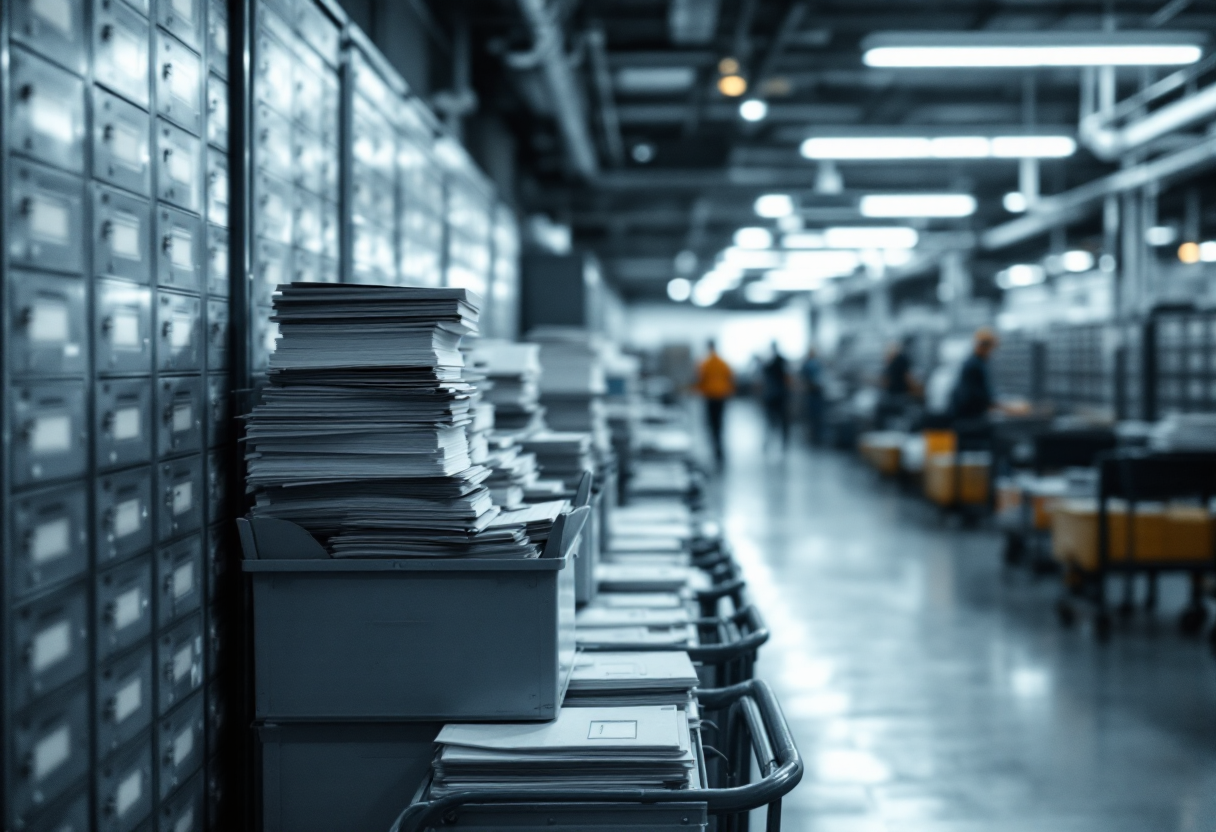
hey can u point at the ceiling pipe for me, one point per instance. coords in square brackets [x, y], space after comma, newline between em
[610, 120]
[1111, 143]
[1075, 204]
[549, 54]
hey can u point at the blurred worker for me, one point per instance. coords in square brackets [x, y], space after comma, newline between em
[811, 374]
[973, 397]
[716, 383]
[897, 384]
[776, 395]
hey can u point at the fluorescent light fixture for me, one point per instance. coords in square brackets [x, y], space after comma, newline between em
[705, 294]
[1207, 251]
[1161, 235]
[660, 80]
[941, 147]
[679, 289]
[774, 206]
[753, 109]
[1023, 274]
[803, 240]
[759, 292]
[743, 258]
[784, 280]
[1033, 147]
[754, 238]
[896, 257]
[833, 262]
[1023, 50]
[917, 205]
[865, 238]
[1077, 260]
[791, 224]
[1014, 202]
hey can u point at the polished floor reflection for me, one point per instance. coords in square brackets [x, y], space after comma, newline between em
[928, 692]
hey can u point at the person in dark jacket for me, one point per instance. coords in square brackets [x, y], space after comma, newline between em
[776, 395]
[973, 396]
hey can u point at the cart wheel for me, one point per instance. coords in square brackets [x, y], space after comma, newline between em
[1192, 620]
[1067, 616]
[1103, 626]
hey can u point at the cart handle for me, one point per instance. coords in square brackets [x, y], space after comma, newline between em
[772, 743]
[756, 636]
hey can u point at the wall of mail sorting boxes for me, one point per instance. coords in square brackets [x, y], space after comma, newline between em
[166, 164]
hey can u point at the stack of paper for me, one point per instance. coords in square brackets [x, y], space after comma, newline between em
[481, 411]
[628, 577]
[561, 456]
[536, 520]
[362, 433]
[514, 371]
[636, 638]
[641, 678]
[512, 472]
[645, 747]
[572, 384]
[1194, 432]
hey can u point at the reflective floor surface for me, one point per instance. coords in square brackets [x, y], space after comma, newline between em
[929, 691]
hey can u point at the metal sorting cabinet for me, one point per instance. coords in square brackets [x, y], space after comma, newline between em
[115, 140]
[394, 640]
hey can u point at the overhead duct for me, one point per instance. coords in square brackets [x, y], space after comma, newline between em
[692, 22]
[1111, 143]
[549, 54]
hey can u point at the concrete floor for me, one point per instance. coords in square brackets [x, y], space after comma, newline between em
[929, 692]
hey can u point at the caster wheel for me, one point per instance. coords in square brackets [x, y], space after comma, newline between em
[1067, 616]
[1103, 627]
[1192, 620]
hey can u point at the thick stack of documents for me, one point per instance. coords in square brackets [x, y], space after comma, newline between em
[514, 372]
[481, 411]
[641, 678]
[572, 384]
[561, 456]
[536, 520]
[512, 472]
[362, 433]
[645, 747]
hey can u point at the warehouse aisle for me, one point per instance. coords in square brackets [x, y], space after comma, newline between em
[929, 695]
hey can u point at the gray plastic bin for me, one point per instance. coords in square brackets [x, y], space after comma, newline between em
[349, 777]
[413, 639]
[589, 552]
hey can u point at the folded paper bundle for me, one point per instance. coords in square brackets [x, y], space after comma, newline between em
[362, 434]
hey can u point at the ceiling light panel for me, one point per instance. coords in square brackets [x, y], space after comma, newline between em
[654, 80]
[942, 147]
[917, 205]
[1022, 50]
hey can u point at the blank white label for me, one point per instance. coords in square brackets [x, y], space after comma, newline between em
[49, 322]
[57, 13]
[52, 751]
[51, 434]
[128, 147]
[183, 747]
[128, 700]
[126, 424]
[51, 646]
[127, 518]
[183, 660]
[183, 580]
[130, 790]
[184, 9]
[186, 822]
[125, 330]
[49, 219]
[183, 497]
[130, 54]
[181, 331]
[124, 237]
[181, 166]
[52, 118]
[183, 417]
[613, 729]
[50, 540]
[183, 80]
[181, 248]
[127, 608]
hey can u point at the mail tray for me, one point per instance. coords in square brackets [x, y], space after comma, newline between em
[408, 639]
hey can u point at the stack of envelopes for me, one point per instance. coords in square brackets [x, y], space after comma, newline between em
[561, 456]
[589, 748]
[641, 678]
[362, 433]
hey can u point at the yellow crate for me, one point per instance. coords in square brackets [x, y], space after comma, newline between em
[942, 481]
[1174, 534]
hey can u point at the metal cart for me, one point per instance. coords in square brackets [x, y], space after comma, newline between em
[754, 722]
[1136, 477]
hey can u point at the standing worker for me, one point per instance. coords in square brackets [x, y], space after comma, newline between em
[776, 398]
[973, 397]
[716, 383]
[811, 373]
